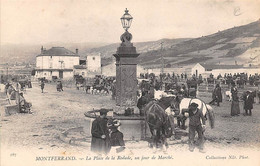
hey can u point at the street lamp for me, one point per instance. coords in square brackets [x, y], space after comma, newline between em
[126, 20]
[126, 37]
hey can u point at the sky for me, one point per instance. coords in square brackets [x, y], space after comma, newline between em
[77, 21]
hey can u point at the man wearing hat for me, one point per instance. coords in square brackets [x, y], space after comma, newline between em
[248, 103]
[196, 117]
[100, 142]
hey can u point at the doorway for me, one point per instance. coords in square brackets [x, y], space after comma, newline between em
[60, 74]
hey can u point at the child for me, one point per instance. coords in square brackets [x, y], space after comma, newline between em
[116, 137]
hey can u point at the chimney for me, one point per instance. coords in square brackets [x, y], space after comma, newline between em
[77, 51]
[42, 49]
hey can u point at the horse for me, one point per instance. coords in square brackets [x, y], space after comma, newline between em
[183, 105]
[158, 121]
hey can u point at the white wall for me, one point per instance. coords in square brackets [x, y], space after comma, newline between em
[53, 62]
[110, 70]
[94, 62]
[175, 70]
[199, 68]
[249, 71]
[48, 74]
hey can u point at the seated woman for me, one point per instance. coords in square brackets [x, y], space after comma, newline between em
[25, 107]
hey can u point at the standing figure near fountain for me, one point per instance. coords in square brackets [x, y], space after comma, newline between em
[142, 101]
[100, 142]
[116, 137]
[196, 116]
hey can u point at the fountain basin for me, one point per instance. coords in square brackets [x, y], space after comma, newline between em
[133, 127]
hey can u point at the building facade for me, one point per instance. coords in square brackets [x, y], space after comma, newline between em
[94, 63]
[206, 70]
[56, 62]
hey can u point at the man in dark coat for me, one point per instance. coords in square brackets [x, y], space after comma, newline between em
[216, 95]
[42, 85]
[100, 142]
[142, 101]
[248, 103]
[196, 116]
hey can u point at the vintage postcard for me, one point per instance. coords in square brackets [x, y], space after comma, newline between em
[151, 82]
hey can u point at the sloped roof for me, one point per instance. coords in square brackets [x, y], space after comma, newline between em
[208, 66]
[80, 67]
[58, 51]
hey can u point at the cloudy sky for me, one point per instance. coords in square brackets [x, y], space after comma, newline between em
[43, 21]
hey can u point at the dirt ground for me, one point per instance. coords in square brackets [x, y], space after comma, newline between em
[39, 134]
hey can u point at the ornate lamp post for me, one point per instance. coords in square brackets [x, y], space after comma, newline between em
[126, 81]
[126, 20]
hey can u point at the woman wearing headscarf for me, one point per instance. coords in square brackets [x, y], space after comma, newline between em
[235, 110]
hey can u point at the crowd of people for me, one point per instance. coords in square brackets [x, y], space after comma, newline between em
[150, 84]
[247, 97]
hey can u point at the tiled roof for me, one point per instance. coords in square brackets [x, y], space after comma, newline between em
[58, 51]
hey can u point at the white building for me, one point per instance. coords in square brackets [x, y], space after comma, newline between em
[110, 70]
[94, 63]
[56, 62]
[206, 70]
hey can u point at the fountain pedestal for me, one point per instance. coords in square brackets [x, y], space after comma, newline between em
[126, 80]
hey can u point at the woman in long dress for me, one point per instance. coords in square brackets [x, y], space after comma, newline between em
[235, 110]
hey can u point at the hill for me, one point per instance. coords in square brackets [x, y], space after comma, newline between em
[237, 45]
[142, 48]
[20, 53]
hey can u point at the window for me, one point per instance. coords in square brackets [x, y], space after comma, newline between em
[93, 58]
[83, 73]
